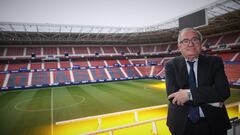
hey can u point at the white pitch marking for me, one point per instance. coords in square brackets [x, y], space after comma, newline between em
[52, 110]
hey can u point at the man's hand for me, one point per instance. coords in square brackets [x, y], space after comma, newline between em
[179, 97]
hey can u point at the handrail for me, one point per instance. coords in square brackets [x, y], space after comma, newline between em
[125, 126]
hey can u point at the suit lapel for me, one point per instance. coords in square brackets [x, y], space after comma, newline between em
[183, 72]
[200, 69]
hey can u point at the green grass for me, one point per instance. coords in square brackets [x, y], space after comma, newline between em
[235, 96]
[28, 112]
[25, 110]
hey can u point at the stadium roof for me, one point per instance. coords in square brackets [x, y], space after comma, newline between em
[221, 15]
[117, 13]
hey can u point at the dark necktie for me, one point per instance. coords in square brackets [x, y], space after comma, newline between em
[193, 114]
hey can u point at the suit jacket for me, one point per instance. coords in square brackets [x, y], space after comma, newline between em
[212, 87]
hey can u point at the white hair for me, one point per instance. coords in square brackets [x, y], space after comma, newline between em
[189, 29]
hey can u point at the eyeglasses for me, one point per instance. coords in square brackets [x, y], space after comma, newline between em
[194, 40]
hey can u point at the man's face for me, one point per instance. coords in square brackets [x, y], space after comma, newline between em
[190, 45]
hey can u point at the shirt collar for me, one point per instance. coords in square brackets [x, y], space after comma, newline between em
[195, 59]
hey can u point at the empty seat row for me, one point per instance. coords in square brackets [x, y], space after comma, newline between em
[61, 76]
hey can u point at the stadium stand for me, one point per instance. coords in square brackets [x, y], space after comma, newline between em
[227, 56]
[233, 71]
[212, 41]
[145, 70]
[138, 61]
[148, 49]
[48, 65]
[82, 70]
[99, 74]
[238, 57]
[18, 51]
[122, 49]
[158, 70]
[81, 75]
[80, 63]
[173, 47]
[229, 38]
[112, 62]
[18, 79]
[50, 50]
[36, 65]
[65, 64]
[64, 50]
[61, 76]
[154, 61]
[41, 78]
[131, 71]
[108, 49]
[104, 68]
[95, 63]
[124, 62]
[2, 78]
[17, 66]
[35, 50]
[81, 50]
[95, 49]
[161, 48]
[134, 49]
[2, 66]
[115, 72]
[165, 60]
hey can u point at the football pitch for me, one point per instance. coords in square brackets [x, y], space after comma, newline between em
[36, 111]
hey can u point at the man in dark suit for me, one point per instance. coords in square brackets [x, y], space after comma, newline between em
[197, 88]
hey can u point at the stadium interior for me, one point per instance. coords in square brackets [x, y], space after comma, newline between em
[49, 55]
